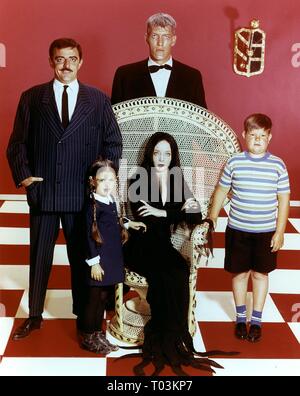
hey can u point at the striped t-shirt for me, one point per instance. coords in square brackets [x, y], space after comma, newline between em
[255, 183]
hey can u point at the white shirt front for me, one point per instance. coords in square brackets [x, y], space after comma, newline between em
[161, 78]
[72, 91]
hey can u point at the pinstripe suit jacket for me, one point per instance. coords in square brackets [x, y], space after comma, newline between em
[134, 81]
[39, 146]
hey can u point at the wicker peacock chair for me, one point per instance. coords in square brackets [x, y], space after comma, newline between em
[205, 143]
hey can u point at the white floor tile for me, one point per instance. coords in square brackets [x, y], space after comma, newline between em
[14, 277]
[13, 197]
[291, 242]
[295, 327]
[6, 325]
[219, 307]
[60, 255]
[271, 313]
[53, 367]
[215, 261]
[258, 367]
[214, 306]
[284, 281]
[14, 236]
[14, 207]
[58, 305]
[294, 203]
[295, 223]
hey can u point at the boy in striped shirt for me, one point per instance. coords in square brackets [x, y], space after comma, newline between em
[259, 206]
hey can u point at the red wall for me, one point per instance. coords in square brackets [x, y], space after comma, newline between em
[111, 33]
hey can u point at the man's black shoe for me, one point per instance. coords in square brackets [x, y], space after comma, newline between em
[30, 324]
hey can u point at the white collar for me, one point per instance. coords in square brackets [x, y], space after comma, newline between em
[107, 200]
[73, 86]
[152, 62]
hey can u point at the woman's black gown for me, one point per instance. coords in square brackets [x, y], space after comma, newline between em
[151, 254]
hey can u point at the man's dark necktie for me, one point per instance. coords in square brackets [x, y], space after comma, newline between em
[65, 108]
[155, 68]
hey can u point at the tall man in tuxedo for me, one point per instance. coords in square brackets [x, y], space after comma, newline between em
[60, 128]
[160, 74]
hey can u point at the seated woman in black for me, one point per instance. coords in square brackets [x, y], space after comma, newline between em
[159, 197]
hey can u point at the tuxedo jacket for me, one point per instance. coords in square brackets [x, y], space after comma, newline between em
[40, 146]
[134, 81]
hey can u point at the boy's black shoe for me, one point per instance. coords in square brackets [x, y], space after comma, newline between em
[241, 330]
[254, 334]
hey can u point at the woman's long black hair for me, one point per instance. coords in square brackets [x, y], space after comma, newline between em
[157, 137]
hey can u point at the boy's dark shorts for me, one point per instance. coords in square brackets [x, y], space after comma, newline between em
[246, 251]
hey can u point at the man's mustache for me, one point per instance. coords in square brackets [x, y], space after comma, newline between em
[66, 69]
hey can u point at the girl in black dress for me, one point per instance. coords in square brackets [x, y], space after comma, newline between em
[160, 198]
[104, 253]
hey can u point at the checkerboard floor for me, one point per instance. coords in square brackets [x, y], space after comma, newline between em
[54, 350]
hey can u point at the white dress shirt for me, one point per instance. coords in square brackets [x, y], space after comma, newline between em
[72, 92]
[161, 78]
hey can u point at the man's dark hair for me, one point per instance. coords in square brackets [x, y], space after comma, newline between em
[64, 43]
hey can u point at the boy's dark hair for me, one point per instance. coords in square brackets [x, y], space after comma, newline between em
[257, 121]
[64, 42]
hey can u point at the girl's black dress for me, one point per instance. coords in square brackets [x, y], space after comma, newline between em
[111, 255]
[151, 254]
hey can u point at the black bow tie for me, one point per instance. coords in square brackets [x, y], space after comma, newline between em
[155, 68]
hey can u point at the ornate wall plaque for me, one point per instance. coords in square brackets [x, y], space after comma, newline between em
[249, 50]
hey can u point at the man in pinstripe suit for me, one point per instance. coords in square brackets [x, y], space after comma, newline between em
[59, 130]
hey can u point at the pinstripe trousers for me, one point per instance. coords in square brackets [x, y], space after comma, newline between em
[44, 228]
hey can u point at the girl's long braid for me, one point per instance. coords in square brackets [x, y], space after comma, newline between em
[95, 230]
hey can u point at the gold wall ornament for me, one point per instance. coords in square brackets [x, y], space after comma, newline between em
[249, 50]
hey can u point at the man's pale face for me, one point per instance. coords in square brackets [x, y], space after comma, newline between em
[65, 63]
[160, 41]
